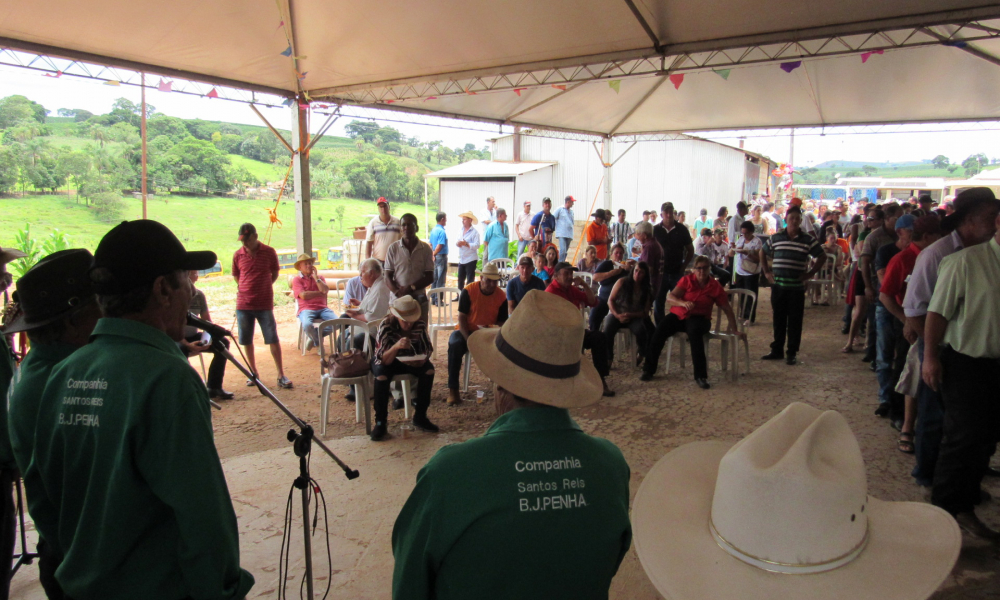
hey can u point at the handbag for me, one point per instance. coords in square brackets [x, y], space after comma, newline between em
[347, 364]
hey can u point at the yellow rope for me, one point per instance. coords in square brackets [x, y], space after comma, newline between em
[272, 213]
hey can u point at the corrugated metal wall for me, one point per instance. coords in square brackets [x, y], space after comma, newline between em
[461, 195]
[690, 173]
[577, 171]
[503, 149]
[532, 186]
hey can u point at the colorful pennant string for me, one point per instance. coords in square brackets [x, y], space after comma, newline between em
[165, 86]
[430, 98]
[866, 55]
[470, 92]
[287, 102]
[287, 51]
[56, 76]
[788, 67]
[956, 44]
[212, 94]
[112, 82]
[560, 87]
[677, 79]
[616, 85]
[723, 73]
[519, 90]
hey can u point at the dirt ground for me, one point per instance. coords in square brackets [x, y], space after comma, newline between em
[646, 420]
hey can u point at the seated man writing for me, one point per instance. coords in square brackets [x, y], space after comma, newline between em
[482, 304]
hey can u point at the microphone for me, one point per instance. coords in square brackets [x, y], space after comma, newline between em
[214, 330]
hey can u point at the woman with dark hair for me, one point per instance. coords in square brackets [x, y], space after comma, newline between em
[551, 259]
[723, 221]
[629, 305]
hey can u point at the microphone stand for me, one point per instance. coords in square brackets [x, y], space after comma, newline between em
[302, 441]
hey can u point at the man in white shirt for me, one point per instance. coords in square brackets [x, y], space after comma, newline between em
[737, 221]
[523, 227]
[468, 243]
[382, 231]
[746, 252]
[489, 215]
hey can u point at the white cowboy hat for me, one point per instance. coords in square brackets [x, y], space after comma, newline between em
[469, 214]
[490, 271]
[785, 513]
[405, 308]
[538, 353]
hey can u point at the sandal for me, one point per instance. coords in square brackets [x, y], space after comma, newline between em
[848, 349]
[905, 443]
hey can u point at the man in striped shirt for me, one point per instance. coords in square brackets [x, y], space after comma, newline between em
[790, 250]
[620, 230]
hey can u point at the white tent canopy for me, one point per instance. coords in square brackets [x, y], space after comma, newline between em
[500, 62]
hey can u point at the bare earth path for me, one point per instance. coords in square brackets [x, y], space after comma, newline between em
[646, 420]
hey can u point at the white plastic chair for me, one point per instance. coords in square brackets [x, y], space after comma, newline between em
[739, 300]
[825, 280]
[339, 287]
[445, 314]
[339, 340]
[625, 346]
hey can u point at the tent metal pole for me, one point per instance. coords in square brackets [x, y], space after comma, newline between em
[142, 123]
[300, 169]
[278, 135]
[967, 47]
[537, 104]
[637, 106]
[645, 26]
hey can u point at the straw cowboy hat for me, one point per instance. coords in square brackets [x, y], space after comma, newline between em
[55, 287]
[302, 258]
[9, 255]
[785, 513]
[490, 271]
[405, 308]
[469, 214]
[537, 353]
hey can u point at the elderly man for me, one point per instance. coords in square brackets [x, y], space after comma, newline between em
[382, 231]
[482, 304]
[468, 244]
[576, 291]
[565, 221]
[678, 250]
[791, 250]
[438, 242]
[535, 508]
[310, 292]
[135, 500]
[523, 283]
[543, 224]
[497, 238]
[523, 228]
[971, 224]
[58, 310]
[961, 359]
[409, 266]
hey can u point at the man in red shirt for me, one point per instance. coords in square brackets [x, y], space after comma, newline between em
[310, 291]
[579, 293]
[255, 269]
[691, 302]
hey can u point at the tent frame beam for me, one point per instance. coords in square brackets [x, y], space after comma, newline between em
[657, 46]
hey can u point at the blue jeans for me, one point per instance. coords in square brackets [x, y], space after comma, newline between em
[247, 320]
[890, 334]
[564, 247]
[521, 245]
[308, 317]
[929, 429]
[440, 270]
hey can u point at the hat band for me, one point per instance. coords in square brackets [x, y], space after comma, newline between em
[788, 568]
[535, 366]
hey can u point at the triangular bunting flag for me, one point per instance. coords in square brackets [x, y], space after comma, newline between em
[956, 44]
[677, 79]
[430, 98]
[212, 94]
[57, 75]
[389, 101]
[866, 55]
[723, 73]
[165, 86]
[112, 82]
[519, 90]
[280, 25]
[287, 102]
[470, 92]
[287, 51]
[788, 67]
[615, 84]
[560, 87]
[302, 75]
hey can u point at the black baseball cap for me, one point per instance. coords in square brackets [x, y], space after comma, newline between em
[246, 229]
[55, 287]
[135, 253]
[563, 265]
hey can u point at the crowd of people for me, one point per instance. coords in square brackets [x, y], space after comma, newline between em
[118, 516]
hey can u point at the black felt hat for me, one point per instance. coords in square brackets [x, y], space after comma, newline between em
[55, 287]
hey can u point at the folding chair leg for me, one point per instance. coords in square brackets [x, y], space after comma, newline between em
[670, 351]
[324, 407]
[468, 371]
[361, 391]
[405, 384]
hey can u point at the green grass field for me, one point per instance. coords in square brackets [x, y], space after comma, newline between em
[263, 171]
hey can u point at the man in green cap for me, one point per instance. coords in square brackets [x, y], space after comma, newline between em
[535, 508]
[56, 306]
[135, 501]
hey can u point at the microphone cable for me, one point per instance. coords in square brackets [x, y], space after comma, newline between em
[314, 492]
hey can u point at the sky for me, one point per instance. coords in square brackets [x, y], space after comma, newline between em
[923, 142]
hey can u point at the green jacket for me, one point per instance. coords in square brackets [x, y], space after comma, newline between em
[533, 509]
[6, 374]
[24, 396]
[135, 501]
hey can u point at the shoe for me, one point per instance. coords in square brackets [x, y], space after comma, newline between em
[882, 410]
[221, 394]
[791, 361]
[991, 472]
[454, 399]
[970, 523]
[773, 356]
[310, 344]
[422, 423]
[284, 383]
[845, 329]
[905, 443]
[897, 424]
[349, 397]
[867, 358]
[398, 404]
[871, 366]
[608, 392]
[703, 383]
[646, 376]
[378, 432]
[250, 383]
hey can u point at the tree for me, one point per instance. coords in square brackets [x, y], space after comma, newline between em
[77, 167]
[869, 170]
[940, 161]
[365, 130]
[172, 127]
[262, 146]
[82, 115]
[392, 147]
[18, 109]
[201, 166]
[9, 167]
[974, 164]
[952, 168]
[372, 175]
[109, 206]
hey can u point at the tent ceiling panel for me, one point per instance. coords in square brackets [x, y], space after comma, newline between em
[379, 51]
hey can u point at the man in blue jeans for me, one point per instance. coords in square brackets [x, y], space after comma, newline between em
[439, 250]
[564, 226]
[311, 293]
